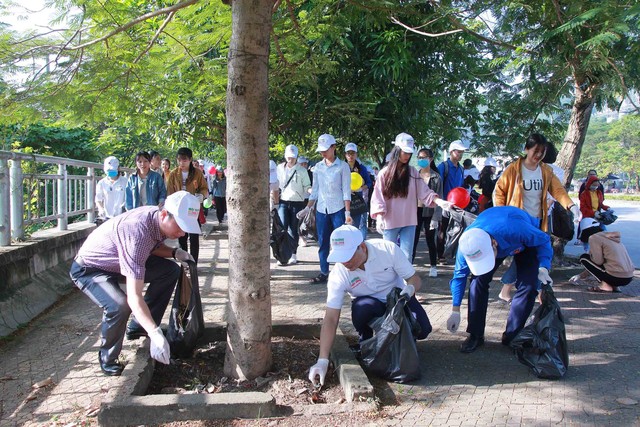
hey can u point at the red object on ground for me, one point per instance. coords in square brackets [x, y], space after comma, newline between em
[459, 197]
[212, 170]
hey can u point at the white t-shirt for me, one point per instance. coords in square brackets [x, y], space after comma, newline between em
[386, 267]
[184, 180]
[532, 191]
[142, 190]
[112, 195]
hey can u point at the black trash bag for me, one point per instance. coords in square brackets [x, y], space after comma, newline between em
[459, 220]
[561, 222]
[392, 353]
[186, 322]
[606, 217]
[542, 343]
[307, 226]
[281, 242]
[358, 204]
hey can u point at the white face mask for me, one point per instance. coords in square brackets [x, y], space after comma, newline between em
[593, 187]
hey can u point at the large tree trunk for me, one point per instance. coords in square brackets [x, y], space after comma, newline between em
[578, 125]
[248, 353]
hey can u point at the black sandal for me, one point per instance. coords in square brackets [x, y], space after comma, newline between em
[319, 279]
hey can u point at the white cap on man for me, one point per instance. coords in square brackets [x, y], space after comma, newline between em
[185, 209]
[490, 161]
[351, 147]
[325, 141]
[457, 145]
[111, 164]
[405, 142]
[303, 159]
[475, 245]
[344, 242]
[291, 151]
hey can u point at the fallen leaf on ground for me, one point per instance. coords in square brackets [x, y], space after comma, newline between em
[626, 401]
[43, 383]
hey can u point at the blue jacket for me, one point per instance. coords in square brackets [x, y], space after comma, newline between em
[156, 191]
[514, 230]
[453, 178]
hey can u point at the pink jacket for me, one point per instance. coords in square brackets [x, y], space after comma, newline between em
[401, 211]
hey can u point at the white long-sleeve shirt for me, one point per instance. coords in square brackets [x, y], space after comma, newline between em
[331, 186]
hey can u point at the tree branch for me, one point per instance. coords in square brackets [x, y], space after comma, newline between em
[155, 36]
[622, 82]
[422, 33]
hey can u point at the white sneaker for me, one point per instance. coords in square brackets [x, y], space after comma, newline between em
[293, 259]
[279, 264]
[433, 272]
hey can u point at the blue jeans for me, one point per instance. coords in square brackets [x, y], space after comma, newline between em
[287, 212]
[103, 289]
[364, 309]
[360, 222]
[325, 224]
[522, 303]
[406, 234]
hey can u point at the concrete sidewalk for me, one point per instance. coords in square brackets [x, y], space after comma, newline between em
[488, 387]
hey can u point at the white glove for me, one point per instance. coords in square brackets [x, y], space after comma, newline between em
[575, 210]
[447, 206]
[303, 213]
[182, 255]
[380, 224]
[597, 215]
[200, 197]
[433, 225]
[408, 290]
[319, 369]
[159, 346]
[543, 276]
[453, 321]
[347, 217]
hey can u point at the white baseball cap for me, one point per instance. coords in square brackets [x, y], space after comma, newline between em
[490, 161]
[185, 209]
[475, 246]
[111, 164]
[303, 159]
[474, 172]
[291, 151]
[457, 145]
[405, 142]
[325, 141]
[351, 147]
[344, 242]
[587, 223]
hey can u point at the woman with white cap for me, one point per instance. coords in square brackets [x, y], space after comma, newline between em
[110, 190]
[394, 201]
[331, 189]
[294, 182]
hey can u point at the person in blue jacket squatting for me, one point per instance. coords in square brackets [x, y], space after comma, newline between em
[496, 234]
[367, 271]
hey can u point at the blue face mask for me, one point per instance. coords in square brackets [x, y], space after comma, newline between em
[112, 173]
[423, 163]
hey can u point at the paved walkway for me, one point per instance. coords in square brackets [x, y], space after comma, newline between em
[489, 387]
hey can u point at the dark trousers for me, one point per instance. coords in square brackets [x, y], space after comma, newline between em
[221, 207]
[521, 304]
[287, 212]
[430, 237]
[325, 224]
[194, 242]
[600, 273]
[442, 234]
[103, 289]
[364, 309]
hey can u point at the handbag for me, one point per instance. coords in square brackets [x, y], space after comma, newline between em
[358, 204]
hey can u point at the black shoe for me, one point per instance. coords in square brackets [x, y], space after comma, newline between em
[134, 334]
[355, 349]
[471, 343]
[319, 279]
[112, 369]
[505, 339]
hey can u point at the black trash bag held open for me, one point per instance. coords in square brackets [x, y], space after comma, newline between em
[186, 322]
[561, 222]
[392, 353]
[542, 343]
[281, 242]
[307, 226]
[459, 220]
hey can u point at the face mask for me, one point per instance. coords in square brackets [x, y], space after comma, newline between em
[593, 187]
[112, 173]
[423, 163]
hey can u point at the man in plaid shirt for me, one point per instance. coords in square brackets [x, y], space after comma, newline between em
[131, 245]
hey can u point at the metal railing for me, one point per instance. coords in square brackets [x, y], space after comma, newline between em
[36, 189]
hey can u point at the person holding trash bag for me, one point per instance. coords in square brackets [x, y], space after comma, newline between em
[497, 233]
[367, 271]
[131, 245]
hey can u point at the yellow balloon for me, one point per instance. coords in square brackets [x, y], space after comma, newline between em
[356, 181]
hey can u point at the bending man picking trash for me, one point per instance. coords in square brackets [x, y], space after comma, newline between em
[367, 271]
[497, 233]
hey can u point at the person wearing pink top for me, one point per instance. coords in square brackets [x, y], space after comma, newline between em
[394, 202]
